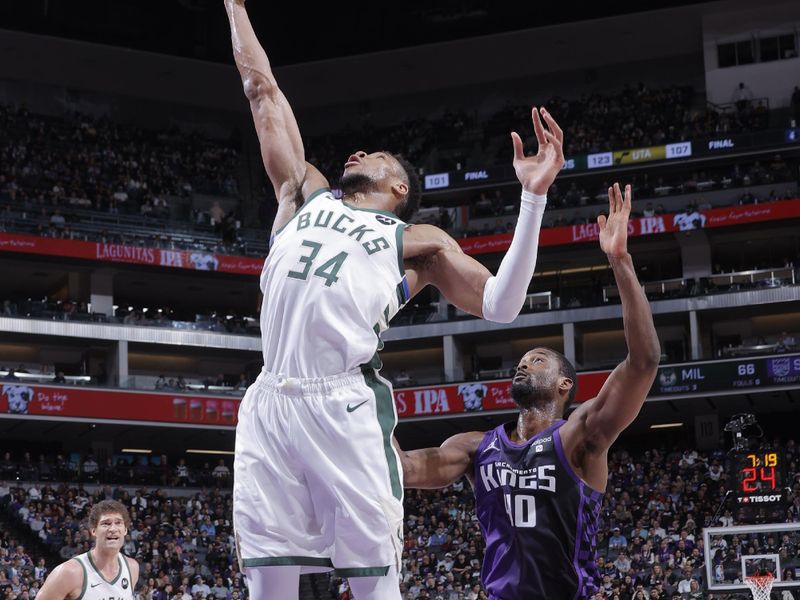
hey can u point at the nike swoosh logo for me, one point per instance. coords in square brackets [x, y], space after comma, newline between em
[352, 408]
[95, 584]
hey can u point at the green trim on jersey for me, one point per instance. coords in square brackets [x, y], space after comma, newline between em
[130, 575]
[288, 561]
[373, 210]
[376, 362]
[401, 227]
[312, 561]
[94, 566]
[306, 202]
[362, 572]
[387, 421]
[85, 578]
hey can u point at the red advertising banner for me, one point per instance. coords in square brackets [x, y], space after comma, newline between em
[117, 405]
[477, 396]
[485, 244]
[715, 217]
[128, 405]
[180, 259]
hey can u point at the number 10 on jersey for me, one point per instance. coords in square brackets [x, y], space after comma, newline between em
[521, 509]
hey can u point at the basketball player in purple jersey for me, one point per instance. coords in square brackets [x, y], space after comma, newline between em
[539, 481]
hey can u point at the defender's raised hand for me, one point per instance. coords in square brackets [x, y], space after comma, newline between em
[537, 173]
[614, 228]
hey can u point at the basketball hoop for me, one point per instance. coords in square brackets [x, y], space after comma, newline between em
[760, 585]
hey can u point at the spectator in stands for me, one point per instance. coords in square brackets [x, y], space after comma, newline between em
[715, 471]
[742, 96]
[616, 542]
[200, 587]
[90, 468]
[182, 473]
[57, 220]
[219, 590]
[40, 571]
[403, 379]
[242, 382]
[221, 472]
[59, 378]
[217, 214]
[161, 382]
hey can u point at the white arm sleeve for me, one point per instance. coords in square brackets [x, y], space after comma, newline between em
[505, 293]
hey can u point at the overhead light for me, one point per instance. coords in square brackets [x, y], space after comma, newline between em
[200, 451]
[666, 425]
[130, 308]
[145, 309]
[137, 450]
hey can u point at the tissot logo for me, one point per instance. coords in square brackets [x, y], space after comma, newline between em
[721, 144]
[760, 498]
[475, 175]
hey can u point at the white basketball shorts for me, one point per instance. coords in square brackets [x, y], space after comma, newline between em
[317, 482]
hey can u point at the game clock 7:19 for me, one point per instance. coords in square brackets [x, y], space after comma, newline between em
[758, 468]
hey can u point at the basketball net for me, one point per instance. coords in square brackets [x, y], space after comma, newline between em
[760, 585]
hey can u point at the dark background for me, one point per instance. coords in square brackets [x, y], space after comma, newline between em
[292, 31]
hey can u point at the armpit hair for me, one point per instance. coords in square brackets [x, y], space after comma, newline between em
[298, 199]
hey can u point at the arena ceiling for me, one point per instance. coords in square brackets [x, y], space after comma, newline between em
[292, 32]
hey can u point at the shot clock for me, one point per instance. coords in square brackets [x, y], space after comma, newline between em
[758, 478]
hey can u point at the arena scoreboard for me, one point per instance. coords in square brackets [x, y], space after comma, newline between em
[727, 375]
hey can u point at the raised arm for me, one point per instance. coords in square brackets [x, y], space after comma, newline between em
[436, 259]
[434, 468]
[279, 137]
[598, 422]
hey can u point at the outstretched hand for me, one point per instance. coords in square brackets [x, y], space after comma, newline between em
[537, 173]
[614, 228]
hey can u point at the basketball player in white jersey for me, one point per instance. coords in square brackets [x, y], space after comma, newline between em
[103, 573]
[317, 482]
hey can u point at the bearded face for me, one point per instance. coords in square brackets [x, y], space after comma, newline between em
[534, 389]
[354, 181]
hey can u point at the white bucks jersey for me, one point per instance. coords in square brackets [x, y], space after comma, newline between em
[333, 279]
[96, 587]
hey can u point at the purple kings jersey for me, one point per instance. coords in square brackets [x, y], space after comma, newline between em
[538, 519]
